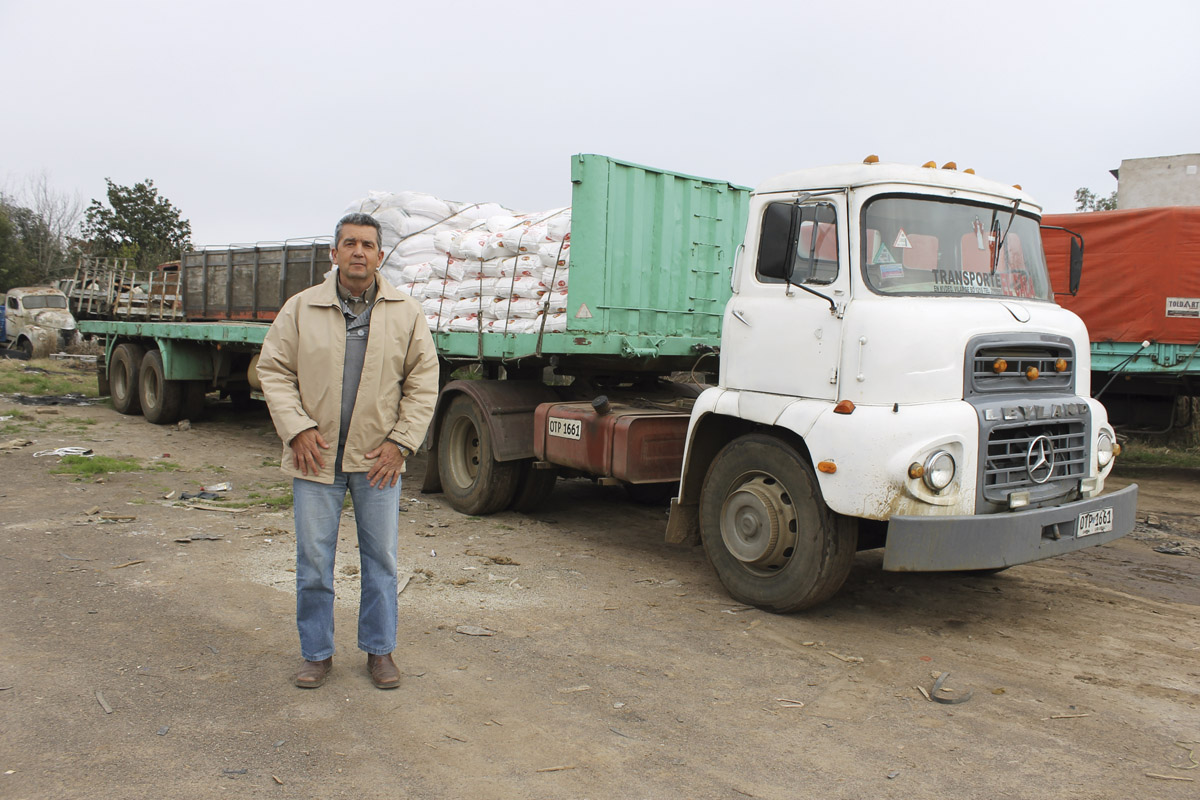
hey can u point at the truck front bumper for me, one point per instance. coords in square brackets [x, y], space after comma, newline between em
[988, 541]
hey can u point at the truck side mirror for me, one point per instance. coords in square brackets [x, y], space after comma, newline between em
[1076, 264]
[775, 257]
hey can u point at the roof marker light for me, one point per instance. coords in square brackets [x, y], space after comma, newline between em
[950, 165]
[871, 159]
[930, 165]
[844, 407]
[969, 171]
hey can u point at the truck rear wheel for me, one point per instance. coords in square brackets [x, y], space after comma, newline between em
[161, 399]
[472, 480]
[123, 374]
[766, 529]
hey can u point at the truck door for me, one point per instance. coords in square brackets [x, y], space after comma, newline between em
[780, 333]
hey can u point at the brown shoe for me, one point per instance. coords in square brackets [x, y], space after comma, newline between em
[313, 673]
[383, 671]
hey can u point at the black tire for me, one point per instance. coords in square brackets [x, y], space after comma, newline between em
[124, 371]
[26, 347]
[533, 487]
[472, 480]
[767, 531]
[161, 399]
[192, 406]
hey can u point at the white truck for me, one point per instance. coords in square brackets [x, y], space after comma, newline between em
[894, 373]
[36, 322]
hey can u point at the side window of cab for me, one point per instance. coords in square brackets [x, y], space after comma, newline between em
[798, 244]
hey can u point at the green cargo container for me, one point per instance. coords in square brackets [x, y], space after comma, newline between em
[652, 255]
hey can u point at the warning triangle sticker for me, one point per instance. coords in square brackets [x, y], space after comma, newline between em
[882, 255]
[583, 312]
[902, 240]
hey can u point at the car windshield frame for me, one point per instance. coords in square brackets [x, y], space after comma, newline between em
[36, 302]
[930, 246]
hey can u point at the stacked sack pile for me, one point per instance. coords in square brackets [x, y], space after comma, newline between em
[475, 267]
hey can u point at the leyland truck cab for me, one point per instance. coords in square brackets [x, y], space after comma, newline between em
[36, 322]
[895, 373]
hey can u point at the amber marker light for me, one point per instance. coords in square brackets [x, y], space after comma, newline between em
[1060, 365]
[1032, 373]
[844, 407]
[871, 160]
[1116, 449]
[1017, 186]
[828, 467]
[969, 171]
[950, 165]
[999, 365]
[915, 470]
[930, 165]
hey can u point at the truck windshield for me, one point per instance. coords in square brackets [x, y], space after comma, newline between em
[32, 301]
[927, 246]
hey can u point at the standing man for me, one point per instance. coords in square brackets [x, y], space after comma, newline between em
[350, 376]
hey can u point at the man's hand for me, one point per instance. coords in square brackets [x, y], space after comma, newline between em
[386, 470]
[306, 451]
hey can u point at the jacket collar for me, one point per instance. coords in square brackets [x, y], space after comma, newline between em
[328, 296]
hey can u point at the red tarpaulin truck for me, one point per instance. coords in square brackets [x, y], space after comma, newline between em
[1140, 300]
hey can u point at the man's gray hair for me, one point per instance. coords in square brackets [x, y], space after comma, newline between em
[358, 218]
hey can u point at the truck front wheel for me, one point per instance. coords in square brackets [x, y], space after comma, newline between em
[472, 480]
[766, 529]
[161, 399]
[123, 373]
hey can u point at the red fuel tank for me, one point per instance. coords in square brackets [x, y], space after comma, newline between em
[636, 445]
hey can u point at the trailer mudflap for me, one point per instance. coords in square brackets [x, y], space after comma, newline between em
[990, 541]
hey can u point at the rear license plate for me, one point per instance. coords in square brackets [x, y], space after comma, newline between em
[1097, 521]
[564, 428]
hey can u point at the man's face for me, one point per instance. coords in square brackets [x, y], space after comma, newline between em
[357, 254]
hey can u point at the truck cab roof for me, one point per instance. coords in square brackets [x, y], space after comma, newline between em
[850, 176]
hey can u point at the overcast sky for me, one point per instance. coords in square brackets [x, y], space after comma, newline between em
[263, 120]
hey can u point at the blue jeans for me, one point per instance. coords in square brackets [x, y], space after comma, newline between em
[318, 510]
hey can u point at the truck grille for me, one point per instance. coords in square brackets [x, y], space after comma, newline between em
[1017, 357]
[1014, 460]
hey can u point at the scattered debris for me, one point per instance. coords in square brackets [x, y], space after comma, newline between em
[847, 659]
[130, 563]
[163, 730]
[204, 507]
[183, 425]
[118, 517]
[274, 778]
[1169, 777]
[924, 692]
[1066, 716]
[1172, 549]
[93, 510]
[1193, 763]
[103, 703]
[573, 689]
[503, 561]
[198, 537]
[555, 769]
[893, 774]
[204, 494]
[73, 558]
[233, 772]
[939, 698]
[218, 487]
[71, 399]
[169, 495]
[85, 452]
[626, 735]
[789, 703]
[16, 444]
[474, 630]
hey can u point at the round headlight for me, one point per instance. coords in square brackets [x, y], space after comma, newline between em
[939, 470]
[1104, 449]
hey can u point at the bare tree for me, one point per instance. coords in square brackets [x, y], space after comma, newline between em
[60, 215]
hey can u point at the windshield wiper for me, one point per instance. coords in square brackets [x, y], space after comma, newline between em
[996, 231]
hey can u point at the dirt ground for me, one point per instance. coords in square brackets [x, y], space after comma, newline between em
[137, 665]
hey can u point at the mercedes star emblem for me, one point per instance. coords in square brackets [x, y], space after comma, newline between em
[1039, 463]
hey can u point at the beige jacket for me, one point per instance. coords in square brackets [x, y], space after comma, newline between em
[300, 369]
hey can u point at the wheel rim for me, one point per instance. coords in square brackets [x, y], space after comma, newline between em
[120, 380]
[464, 452]
[758, 524]
[152, 387]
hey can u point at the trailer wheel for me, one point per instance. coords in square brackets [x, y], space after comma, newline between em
[123, 373]
[26, 347]
[161, 398]
[472, 480]
[533, 487]
[766, 529]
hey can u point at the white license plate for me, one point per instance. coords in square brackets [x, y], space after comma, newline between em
[564, 428]
[1097, 521]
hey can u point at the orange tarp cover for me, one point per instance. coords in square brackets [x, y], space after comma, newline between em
[1133, 261]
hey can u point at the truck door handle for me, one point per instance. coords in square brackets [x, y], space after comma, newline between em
[738, 316]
